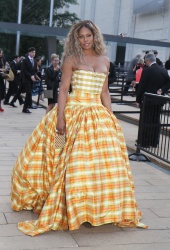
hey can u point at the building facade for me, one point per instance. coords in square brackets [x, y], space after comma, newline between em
[138, 19]
[146, 19]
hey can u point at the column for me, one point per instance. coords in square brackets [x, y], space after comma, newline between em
[19, 22]
[51, 13]
[51, 40]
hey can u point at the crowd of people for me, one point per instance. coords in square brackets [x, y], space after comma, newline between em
[154, 80]
[137, 64]
[28, 74]
[148, 75]
[27, 78]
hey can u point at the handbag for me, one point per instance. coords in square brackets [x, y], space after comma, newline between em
[60, 140]
[9, 77]
[48, 93]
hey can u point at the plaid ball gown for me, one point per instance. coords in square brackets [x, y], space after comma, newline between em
[89, 180]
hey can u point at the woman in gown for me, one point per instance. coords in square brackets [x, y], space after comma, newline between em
[89, 179]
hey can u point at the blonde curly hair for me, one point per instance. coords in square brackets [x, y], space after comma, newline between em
[72, 46]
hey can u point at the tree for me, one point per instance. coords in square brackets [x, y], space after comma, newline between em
[34, 12]
[65, 20]
[8, 11]
[39, 13]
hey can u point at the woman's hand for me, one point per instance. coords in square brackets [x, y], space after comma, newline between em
[61, 126]
[56, 68]
[159, 92]
[133, 83]
[33, 78]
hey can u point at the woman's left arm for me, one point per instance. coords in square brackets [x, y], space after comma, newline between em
[105, 96]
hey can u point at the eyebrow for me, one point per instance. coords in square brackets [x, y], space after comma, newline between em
[85, 33]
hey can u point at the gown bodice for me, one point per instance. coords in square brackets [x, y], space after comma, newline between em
[87, 81]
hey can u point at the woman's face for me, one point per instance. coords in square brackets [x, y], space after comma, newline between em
[39, 63]
[86, 38]
[55, 61]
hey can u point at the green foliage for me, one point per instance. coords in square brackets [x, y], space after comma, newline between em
[8, 11]
[8, 44]
[39, 11]
[34, 12]
[38, 42]
[66, 19]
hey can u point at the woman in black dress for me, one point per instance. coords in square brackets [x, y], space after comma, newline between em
[52, 80]
[37, 84]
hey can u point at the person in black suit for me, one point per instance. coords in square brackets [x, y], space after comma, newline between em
[21, 88]
[112, 74]
[29, 75]
[158, 61]
[13, 85]
[167, 66]
[154, 80]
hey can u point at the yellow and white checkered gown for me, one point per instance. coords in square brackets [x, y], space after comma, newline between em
[89, 180]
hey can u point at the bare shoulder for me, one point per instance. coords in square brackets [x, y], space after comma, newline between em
[70, 62]
[105, 58]
[106, 61]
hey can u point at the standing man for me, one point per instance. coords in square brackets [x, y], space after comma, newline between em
[13, 85]
[21, 88]
[167, 66]
[154, 80]
[28, 72]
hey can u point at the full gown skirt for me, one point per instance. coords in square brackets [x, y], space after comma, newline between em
[89, 180]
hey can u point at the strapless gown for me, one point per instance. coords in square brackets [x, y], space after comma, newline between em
[89, 180]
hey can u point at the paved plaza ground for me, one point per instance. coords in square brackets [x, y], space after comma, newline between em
[152, 194]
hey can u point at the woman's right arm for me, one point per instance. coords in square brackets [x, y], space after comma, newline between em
[67, 70]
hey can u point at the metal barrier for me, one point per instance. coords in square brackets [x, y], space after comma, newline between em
[154, 129]
[116, 89]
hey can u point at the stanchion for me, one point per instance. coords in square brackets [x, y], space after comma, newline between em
[153, 132]
[137, 156]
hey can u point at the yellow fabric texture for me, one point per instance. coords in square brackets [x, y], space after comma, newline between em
[89, 180]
